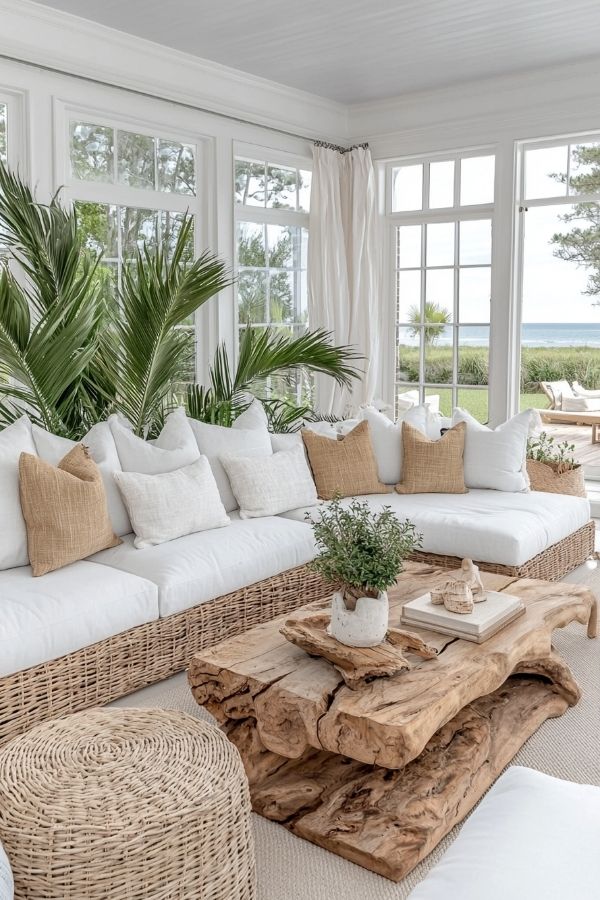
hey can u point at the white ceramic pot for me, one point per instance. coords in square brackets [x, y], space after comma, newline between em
[365, 626]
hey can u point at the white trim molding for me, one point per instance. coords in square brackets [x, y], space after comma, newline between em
[71, 45]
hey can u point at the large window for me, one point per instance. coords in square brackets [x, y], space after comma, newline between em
[130, 189]
[441, 214]
[272, 203]
[559, 205]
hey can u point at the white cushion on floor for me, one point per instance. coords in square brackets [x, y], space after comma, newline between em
[490, 526]
[44, 618]
[208, 564]
[532, 836]
[7, 885]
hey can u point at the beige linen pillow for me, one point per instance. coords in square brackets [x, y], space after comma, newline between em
[346, 467]
[65, 510]
[433, 467]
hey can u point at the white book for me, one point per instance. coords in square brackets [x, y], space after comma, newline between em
[487, 617]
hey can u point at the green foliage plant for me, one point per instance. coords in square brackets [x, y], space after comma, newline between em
[544, 448]
[360, 550]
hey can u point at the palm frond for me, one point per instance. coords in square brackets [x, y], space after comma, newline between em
[149, 352]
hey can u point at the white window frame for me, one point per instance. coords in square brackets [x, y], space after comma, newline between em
[262, 214]
[427, 216]
[17, 153]
[522, 206]
[116, 194]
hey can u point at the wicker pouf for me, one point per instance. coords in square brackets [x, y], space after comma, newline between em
[126, 804]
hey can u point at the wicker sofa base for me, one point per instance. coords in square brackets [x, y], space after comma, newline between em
[551, 564]
[126, 662]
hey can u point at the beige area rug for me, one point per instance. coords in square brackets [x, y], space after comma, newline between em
[290, 868]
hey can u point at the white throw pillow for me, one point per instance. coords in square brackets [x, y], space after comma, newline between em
[175, 446]
[386, 438]
[172, 504]
[580, 391]
[269, 485]
[14, 440]
[253, 417]
[580, 404]
[495, 458]
[286, 441]
[215, 441]
[101, 444]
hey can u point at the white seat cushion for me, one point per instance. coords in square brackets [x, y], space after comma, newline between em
[7, 884]
[490, 526]
[532, 836]
[47, 617]
[199, 567]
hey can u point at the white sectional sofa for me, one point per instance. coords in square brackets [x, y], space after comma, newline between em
[124, 618]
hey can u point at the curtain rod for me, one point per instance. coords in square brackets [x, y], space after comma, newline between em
[119, 87]
[328, 146]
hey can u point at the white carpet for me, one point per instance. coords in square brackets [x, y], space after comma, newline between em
[292, 869]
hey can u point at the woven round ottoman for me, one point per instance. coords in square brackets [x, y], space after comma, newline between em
[126, 804]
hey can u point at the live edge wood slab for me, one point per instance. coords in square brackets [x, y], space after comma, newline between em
[380, 773]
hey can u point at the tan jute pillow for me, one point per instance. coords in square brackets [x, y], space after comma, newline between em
[433, 467]
[65, 510]
[344, 467]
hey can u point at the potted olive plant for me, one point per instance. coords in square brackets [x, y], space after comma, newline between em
[552, 468]
[361, 552]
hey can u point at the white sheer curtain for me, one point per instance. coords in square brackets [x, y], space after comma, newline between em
[344, 267]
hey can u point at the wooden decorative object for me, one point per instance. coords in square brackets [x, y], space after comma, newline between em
[381, 773]
[469, 574]
[462, 590]
[456, 596]
[357, 665]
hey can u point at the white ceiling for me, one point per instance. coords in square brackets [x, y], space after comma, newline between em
[360, 50]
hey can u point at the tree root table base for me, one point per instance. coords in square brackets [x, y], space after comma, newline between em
[380, 773]
[388, 820]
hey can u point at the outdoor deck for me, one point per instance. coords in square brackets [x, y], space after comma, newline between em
[586, 453]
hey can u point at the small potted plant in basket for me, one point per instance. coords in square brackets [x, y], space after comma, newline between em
[552, 468]
[361, 553]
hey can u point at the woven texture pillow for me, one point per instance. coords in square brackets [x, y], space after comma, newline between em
[269, 485]
[346, 467]
[433, 467]
[172, 504]
[65, 510]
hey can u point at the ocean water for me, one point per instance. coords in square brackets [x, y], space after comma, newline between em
[533, 334]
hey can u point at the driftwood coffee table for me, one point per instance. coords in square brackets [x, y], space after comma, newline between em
[380, 773]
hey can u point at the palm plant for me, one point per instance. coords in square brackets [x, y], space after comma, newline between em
[435, 318]
[264, 354]
[50, 317]
[70, 355]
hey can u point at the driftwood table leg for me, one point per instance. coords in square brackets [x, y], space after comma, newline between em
[388, 820]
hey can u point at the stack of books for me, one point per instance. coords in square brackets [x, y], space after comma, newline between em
[487, 618]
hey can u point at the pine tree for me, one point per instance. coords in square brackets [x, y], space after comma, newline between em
[581, 244]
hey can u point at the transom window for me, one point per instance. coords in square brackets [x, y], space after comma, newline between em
[271, 212]
[441, 214]
[130, 189]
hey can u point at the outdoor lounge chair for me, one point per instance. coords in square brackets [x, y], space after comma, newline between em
[570, 405]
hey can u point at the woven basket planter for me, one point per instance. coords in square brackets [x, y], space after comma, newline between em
[127, 804]
[547, 477]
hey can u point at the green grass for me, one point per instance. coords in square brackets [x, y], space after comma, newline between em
[476, 402]
[537, 364]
